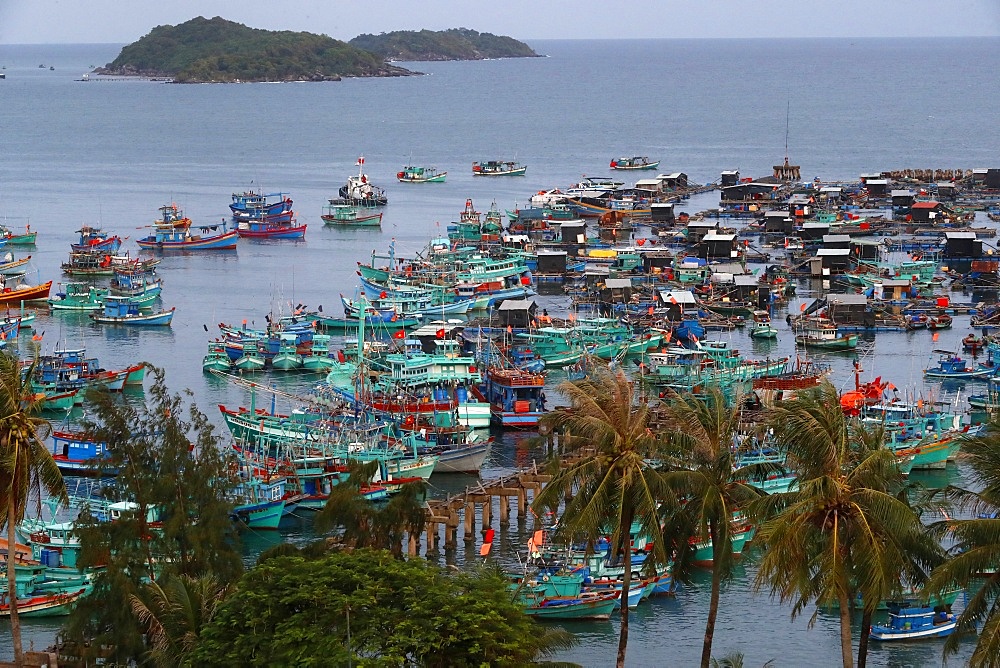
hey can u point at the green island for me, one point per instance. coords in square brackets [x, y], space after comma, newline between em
[216, 50]
[454, 44]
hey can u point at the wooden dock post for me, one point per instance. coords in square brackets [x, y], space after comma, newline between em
[470, 520]
[504, 512]
[522, 502]
[487, 513]
[413, 544]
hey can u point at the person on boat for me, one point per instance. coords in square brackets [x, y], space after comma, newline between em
[546, 319]
[541, 401]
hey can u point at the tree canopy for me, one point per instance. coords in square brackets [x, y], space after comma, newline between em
[217, 50]
[454, 44]
[371, 608]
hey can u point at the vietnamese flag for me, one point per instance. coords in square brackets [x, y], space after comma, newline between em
[440, 334]
[399, 335]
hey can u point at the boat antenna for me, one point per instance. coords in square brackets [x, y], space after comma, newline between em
[788, 107]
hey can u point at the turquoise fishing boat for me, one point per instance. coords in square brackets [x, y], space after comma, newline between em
[78, 297]
[348, 215]
[412, 174]
[638, 162]
[498, 168]
[127, 311]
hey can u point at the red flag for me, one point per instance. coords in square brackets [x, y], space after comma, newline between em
[399, 335]
[673, 300]
[439, 334]
[694, 338]
[802, 307]
[650, 310]
[382, 295]
[510, 330]
[490, 533]
[935, 335]
[485, 549]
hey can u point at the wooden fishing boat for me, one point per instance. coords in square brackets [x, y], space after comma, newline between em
[498, 168]
[974, 343]
[174, 232]
[939, 322]
[412, 174]
[95, 239]
[347, 215]
[125, 311]
[27, 238]
[78, 297]
[24, 293]
[256, 205]
[824, 336]
[637, 162]
[950, 365]
[257, 229]
[77, 454]
[915, 622]
[761, 327]
[42, 605]
[10, 267]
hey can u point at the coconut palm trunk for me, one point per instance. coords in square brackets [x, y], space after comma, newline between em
[15, 623]
[713, 604]
[626, 537]
[846, 652]
[866, 625]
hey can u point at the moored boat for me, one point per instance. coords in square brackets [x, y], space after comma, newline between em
[348, 215]
[634, 163]
[360, 190]
[174, 232]
[498, 168]
[413, 174]
[125, 311]
[915, 622]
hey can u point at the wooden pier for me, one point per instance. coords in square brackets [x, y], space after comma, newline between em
[474, 508]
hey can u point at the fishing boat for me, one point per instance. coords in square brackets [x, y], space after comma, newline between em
[250, 360]
[217, 359]
[974, 344]
[261, 497]
[915, 623]
[824, 336]
[78, 297]
[498, 168]
[761, 327]
[23, 293]
[516, 397]
[256, 205]
[125, 311]
[262, 229]
[412, 174]
[939, 322]
[174, 232]
[26, 238]
[96, 239]
[10, 267]
[359, 190]
[77, 454]
[634, 163]
[952, 366]
[41, 605]
[348, 215]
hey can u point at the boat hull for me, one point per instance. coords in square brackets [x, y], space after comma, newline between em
[225, 241]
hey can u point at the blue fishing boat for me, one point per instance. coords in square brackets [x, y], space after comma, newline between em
[257, 228]
[174, 232]
[125, 311]
[96, 239]
[950, 365]
[78, 454]
[253, 204]
[915, 623]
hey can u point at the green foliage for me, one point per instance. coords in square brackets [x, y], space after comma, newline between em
[179, 524]
[454, 44]
[975, 555]
[612, 483]
[218, 50]
[846, 530]
[26, 465]
[296, 611]
[363, 523]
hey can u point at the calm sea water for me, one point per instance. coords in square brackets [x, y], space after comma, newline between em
[111, 153]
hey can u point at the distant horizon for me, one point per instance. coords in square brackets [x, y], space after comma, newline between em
[112, 22]
[614, 39]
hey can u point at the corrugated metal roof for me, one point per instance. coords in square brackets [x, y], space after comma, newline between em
[680, 296]
[832, 252]
[925, 205]
[617, 283]
[852, 300]
[516, 304]
[959, 235]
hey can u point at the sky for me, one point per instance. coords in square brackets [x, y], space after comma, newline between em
[118, 21]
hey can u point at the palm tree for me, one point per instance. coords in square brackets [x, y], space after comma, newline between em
[612, 482]
[976, 553]
[174, 610]
[843, 532]
[702, 433]
[26, 464]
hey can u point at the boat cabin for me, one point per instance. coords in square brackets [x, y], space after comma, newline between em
[698, 229]
[729, 177]
[962, 245]
[928, 213]
[662, 213]
[779, 222]
[902, 200]
[516, 313]
[877, 187]
[716, 245]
